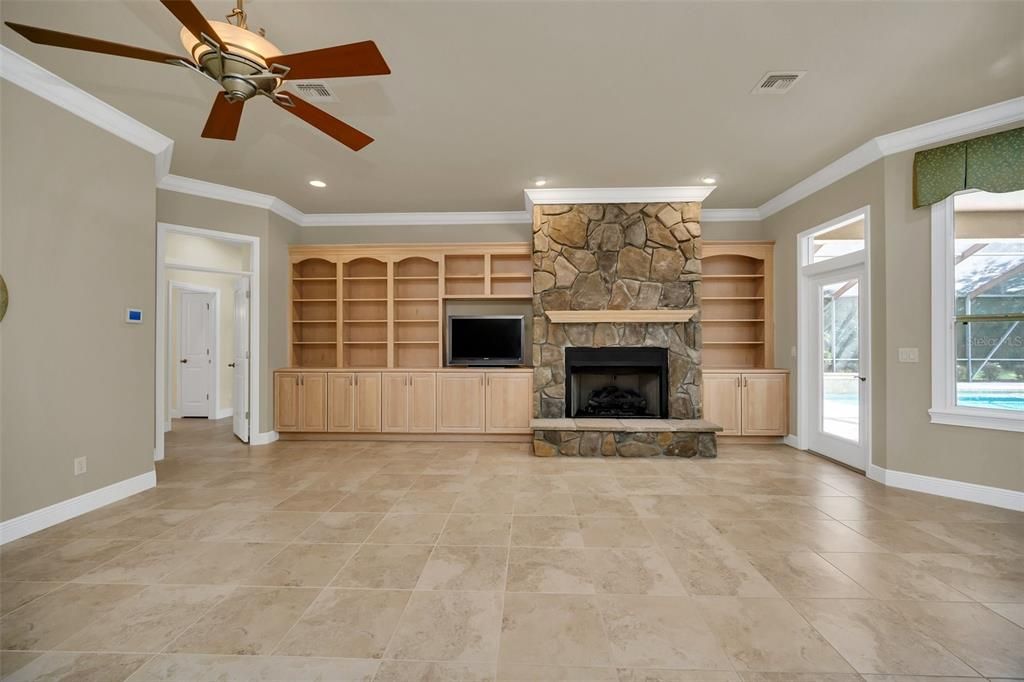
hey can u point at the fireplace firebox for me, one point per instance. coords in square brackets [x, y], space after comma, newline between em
[619, 382]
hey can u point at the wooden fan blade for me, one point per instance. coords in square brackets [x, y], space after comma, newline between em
[192, 19]
[222, 123]
[355, 59]
[318, 118]
[44, 36]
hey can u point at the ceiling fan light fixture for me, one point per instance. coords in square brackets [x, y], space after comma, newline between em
[319, 184]
[248, 57]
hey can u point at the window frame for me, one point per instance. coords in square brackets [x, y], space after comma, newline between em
[944, 409]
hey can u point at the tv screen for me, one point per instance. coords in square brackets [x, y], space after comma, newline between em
[485, 340]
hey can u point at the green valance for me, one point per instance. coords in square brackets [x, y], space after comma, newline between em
[994, 163]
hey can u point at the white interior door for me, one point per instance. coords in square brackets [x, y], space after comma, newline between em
[240, 360]
[839, 405]
[195, 347]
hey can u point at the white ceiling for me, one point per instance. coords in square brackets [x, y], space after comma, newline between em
[486, 95]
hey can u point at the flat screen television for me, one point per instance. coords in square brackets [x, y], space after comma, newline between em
[479, 340]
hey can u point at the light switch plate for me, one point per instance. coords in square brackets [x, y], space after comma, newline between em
[908, 355]
[80, 467]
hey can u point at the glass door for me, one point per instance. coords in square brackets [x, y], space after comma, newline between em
[839, 406]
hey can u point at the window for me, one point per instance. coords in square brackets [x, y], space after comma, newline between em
[843, 239]
[978, 310]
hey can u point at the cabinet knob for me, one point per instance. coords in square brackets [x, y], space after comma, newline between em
[231, 364]
[184, 360]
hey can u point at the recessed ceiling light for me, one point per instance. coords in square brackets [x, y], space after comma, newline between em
[540, 182]
[318, 183]
[709, 180]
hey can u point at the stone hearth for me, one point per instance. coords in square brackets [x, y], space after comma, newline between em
[630, 257]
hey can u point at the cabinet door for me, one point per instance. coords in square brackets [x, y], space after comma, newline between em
[460, 402]
[764, 405]
[395, 403]
[287, 402]
[509, 402]
[314, 401]
[341, 403]
[422, 402]
[722, 404]
[368, 402]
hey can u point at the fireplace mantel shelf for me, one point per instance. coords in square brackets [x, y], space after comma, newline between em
[639, 316]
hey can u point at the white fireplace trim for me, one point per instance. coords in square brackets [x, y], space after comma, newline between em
[616, 195]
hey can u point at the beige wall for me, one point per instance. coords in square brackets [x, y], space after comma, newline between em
[731, 231]
[275, 234]
[415, 234]
[903, 439]
[77, 227]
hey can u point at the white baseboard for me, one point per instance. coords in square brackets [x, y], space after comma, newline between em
[225, 412]
[958, 490]
[791, 441]
[26, 524]
[175, 413]
[262, 438]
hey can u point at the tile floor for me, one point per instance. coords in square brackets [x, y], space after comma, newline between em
[398, 561]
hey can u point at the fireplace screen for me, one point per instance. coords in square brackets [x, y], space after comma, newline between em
[616, 382]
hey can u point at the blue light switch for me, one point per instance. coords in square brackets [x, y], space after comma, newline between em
[133, 316]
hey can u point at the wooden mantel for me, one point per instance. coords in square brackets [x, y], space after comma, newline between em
[632, 316]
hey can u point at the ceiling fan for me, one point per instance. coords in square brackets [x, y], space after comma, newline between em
[244, 64]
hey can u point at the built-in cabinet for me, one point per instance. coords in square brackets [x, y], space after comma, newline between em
[494, 401]
[751, 403]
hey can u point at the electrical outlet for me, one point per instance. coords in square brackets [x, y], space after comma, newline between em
[79, 466]
[908, 355]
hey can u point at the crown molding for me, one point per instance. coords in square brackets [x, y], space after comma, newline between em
[615, 195]
[28, 75]
[438, 218]
[933, 132]
[729, 215]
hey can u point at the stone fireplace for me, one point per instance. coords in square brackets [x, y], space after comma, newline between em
[617, 328]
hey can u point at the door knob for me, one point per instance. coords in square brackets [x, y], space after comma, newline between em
[231, 364]
[863, 378]
[184, 360]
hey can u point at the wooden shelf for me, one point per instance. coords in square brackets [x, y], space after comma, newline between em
[434, 321]
[464, 276]
[314, 279]
[365, 279]
[365, 343]
[365, 321]
[486, 297]
[315, 343]
[737, 304]
[314, 321]
[732, 277]
[401, 300]
[314, 300]
[732, 298]
[429, 278]
[363, 300]
[417, 343]
[513, 276]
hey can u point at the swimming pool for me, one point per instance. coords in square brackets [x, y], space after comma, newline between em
[1001, 400]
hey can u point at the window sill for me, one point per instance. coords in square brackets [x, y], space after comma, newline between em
[998, 420]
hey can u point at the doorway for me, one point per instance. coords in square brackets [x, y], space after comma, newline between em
[833, 392]
[226, 265]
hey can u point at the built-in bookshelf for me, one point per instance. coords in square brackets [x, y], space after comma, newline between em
[383, 306]
[736, 308]
[314, 312]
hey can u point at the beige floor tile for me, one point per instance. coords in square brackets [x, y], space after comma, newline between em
[408, 529]
[425, 502]
[802, 677]
[718, 572]
[900, 536]
[11, 661]
[667, 675]
[346, 624]
[431, 671]
[52, 618]
[561, 570]
[477, 501]
[15, 595]
[546, 531]
[516, 672]
[544, 504]
[396, 567]
[477, 530]
[547, 629]
[660, 632]
[447, 483]
[79, 667]
[805, 574]
[302, 565]
[388, 482]
[919, 678]
[889, 576]
[147, 524]
[147, 621]
[210, 668]
[278, 526]
[18, 552]
[342, 527]
[985, 578]
[221, 563]
[1011, 612]
[614, 532]
[71, 560]
[686, 533]
[978, 538]
[311, 501]
[592, 504]
[768, 635]
[249, 621]
[849, 509]
[631, 571]
[593, 486]
[668, 506]
[146, 563]
[465, 568]
[875, 638]
[449, 626]
[374, 501]
[984, 640]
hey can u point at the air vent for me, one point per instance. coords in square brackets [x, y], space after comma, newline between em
[777, 82]
[314, 92]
